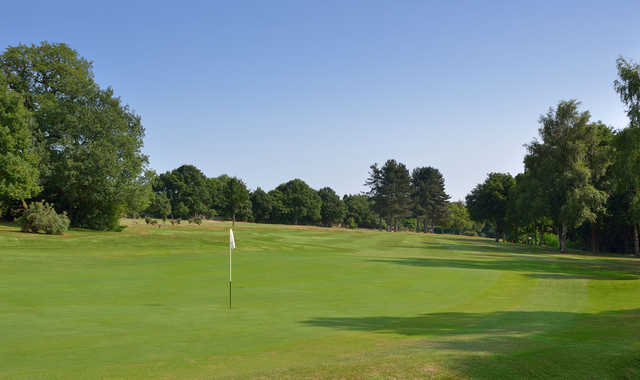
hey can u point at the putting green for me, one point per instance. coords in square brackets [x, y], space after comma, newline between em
[310, 302]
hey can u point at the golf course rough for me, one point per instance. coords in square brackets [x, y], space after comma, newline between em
[152, 302]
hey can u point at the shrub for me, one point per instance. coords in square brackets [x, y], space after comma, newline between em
[147, 220]
[41, 216]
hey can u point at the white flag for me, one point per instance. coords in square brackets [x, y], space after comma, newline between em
[232, 242]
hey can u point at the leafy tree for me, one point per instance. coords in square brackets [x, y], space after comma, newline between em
[488, 201]
[140, 196]
[160, 206]
[390, 189]
[280, 211]
[359, 211]
[19, 157]
[458, 220]
[236, 196]
[217, 201]
[300, 204]
[332, 210]
[262, 206]
[187, 189]
[429, 197]
[627, 142]
[91, 142]
[562, 163]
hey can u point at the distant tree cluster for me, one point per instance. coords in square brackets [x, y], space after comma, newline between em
[581, 180]
[396, 201]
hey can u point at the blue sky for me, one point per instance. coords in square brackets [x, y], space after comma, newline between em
[270, 91]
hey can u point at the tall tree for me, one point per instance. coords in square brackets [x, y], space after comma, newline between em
[300, 203]
[390, 188]
[627, 161]
[92, 143]
[561, 163]
[188, 190]
[332, 209]
[429, 196]
[360, 211]
[19, 156]
[488, 201]
[236, 196]
[262, 206]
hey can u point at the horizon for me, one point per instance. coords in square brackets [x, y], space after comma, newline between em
[320, 92]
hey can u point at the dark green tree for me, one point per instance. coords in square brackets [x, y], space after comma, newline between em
[627, 158]
[332, 210]
[430, 201]
[562, 164]
[300, 203]
[262, 206]
[236, 196]
[488, 201]
[390, 189]
[360, 212]
[92, 143]
[19, 156]
[187, 189]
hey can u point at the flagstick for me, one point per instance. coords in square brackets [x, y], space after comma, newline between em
[230, 276]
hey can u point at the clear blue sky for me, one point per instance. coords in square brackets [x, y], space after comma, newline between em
[319, 90]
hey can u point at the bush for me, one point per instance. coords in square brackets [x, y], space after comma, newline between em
[196, 220]
[41, 216]
[147, 220]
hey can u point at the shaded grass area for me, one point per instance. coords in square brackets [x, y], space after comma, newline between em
[151, 302]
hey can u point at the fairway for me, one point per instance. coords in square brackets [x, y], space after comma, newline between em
[309, 303]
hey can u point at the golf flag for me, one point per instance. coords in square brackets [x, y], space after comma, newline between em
[232, 245]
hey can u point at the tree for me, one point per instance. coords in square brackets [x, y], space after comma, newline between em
[561, 162]
[627, 159]
[488, 201]
[236, 196]
[160, 206]
[429, 197]
[359, 211]
[217, 202]
[299, 203]
[332, 209]
[140, 196]
[19, 156]
[262, 205]
[390, 189]
[458, 220]
[91, 142]
[188, 190]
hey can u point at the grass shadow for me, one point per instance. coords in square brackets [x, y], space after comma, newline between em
[535, 267]
[516, 344]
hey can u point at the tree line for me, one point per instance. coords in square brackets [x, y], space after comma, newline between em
[396, 200]
[68, 142]
[581, 180]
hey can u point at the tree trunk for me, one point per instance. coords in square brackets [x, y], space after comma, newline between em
[417, 224]
[636, 244]
[595, 246]
[395, 224]
[504, 237]
[233, 220]
[562, 238]
[424, 226]
[535, 234]
[541, 242]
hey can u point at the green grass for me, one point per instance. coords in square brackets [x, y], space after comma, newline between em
[151, 302]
